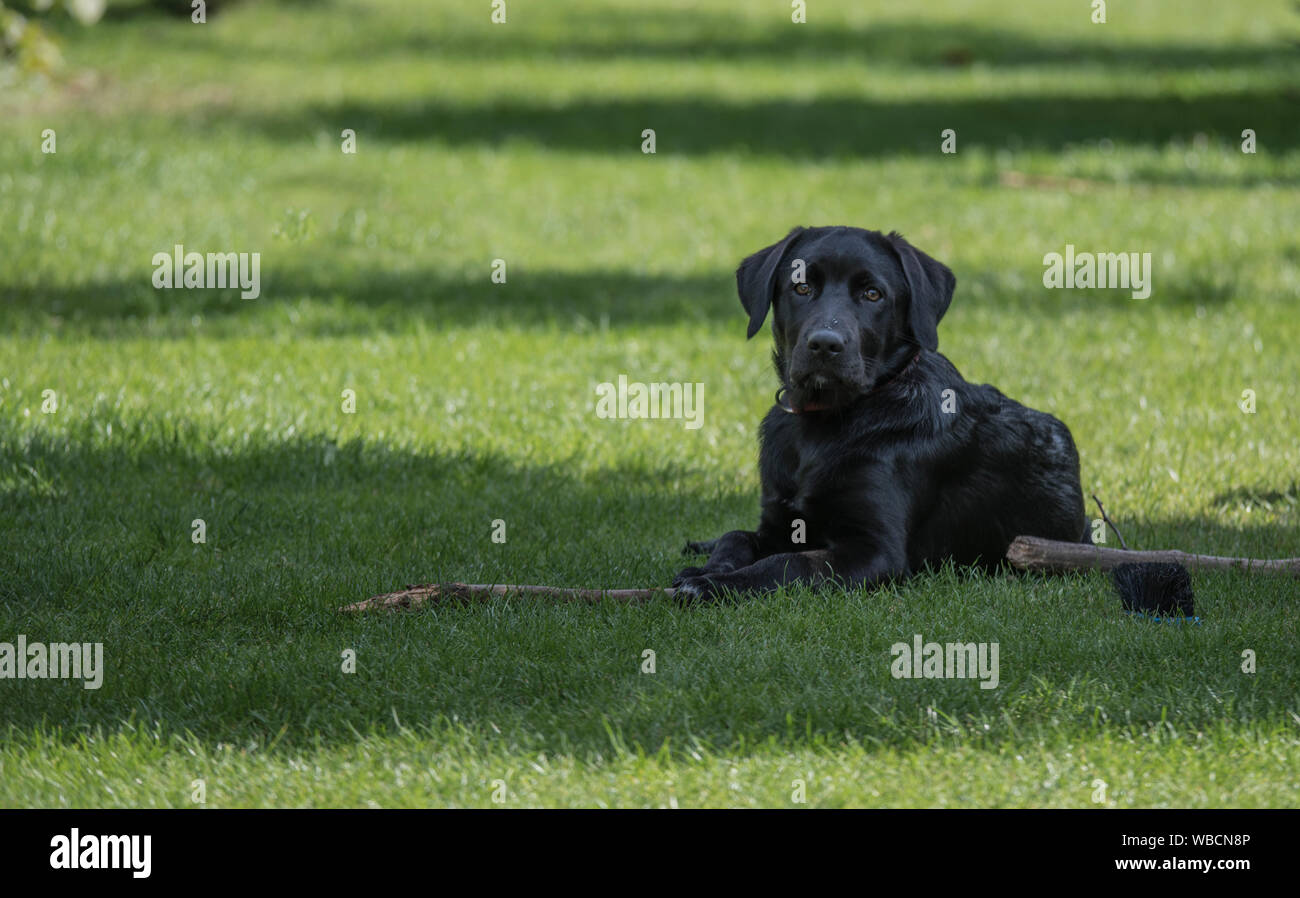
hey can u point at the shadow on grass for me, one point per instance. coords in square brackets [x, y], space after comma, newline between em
[366, 299]
[1264, 496]
[825, 127]
[238, 640]
[228, 636]
[828, 126]
[131, 11]
[631, 34]
[646, 34]
[386, 508]
[348, 299]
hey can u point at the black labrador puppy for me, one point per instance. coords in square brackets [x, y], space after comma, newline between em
[878, 458]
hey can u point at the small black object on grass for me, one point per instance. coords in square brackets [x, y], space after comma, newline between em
[1155, 589]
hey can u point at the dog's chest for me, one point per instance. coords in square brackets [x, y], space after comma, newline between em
[827, 477]
[823, 483]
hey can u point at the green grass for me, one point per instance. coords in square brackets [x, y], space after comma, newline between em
[476, 401]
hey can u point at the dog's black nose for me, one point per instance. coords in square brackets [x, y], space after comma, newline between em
[825, 342]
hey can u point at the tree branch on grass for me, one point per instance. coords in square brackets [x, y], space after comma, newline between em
[1028, 553]
[433, 593]
[1031, 553]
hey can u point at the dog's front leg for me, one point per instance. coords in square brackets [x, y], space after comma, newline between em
[786, 568]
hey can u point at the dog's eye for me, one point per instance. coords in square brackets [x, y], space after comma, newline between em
[803, 289]
[873, 294]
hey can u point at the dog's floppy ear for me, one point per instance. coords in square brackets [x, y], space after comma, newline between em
[931, 284]
[756, 280]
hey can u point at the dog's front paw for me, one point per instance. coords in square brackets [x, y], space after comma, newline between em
[688, 573]
[695, 589]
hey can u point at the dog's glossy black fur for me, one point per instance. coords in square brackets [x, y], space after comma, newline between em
[877, 452]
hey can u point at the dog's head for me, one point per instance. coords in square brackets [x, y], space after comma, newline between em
[849, 308]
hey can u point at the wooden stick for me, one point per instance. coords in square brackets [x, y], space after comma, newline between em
[1034, 554]
[1026, 552]
[433, 593]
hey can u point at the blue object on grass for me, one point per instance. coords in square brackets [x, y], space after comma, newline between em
[1166, 620]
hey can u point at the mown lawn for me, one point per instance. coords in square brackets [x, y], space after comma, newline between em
[475, 401]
